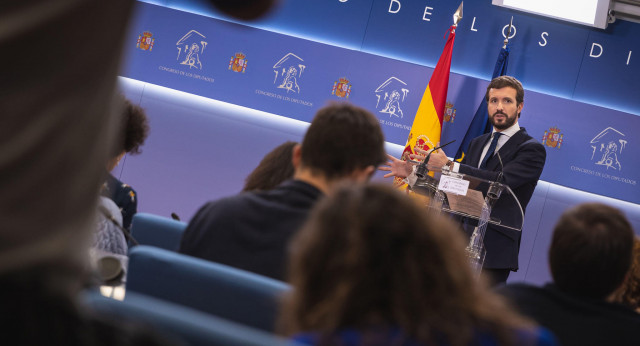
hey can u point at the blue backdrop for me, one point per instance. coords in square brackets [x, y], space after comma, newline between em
[575, 77]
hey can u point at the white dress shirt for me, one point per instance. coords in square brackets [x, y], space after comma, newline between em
[506, 134]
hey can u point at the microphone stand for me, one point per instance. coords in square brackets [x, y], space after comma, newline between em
[422, 170]
[496, 187]
[425, 184]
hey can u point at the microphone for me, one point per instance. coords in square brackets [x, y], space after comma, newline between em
[495, 189]
[501, 174]
[422, 170]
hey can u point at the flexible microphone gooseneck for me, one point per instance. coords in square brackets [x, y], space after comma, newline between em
[501, 174]
[495, 189]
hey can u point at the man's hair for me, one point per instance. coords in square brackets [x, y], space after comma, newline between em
[590, 250]
[506, 81]
[273, 169]
[341, 139]
[133, 129]
[370, 255]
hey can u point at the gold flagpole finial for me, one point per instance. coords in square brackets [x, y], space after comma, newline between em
[458, 15]
[506, 39]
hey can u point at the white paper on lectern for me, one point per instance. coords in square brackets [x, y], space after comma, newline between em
[453, 185]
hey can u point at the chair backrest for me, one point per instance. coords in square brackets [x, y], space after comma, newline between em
[183, 324]
[158, 231]
[230, 293]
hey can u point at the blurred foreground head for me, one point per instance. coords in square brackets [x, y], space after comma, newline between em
[370, 256]
[57, 98]
[590, 251]
[244, 9]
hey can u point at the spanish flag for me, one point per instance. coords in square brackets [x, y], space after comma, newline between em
[427, 125]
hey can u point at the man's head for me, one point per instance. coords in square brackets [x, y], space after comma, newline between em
[590, 250]
[505, 99]
[343, 141]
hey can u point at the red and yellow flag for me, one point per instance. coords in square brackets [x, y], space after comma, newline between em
[427, 125]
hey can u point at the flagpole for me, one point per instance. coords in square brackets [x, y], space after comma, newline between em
[480, 123]
[427, 125]
[457, 16]
[506, 39]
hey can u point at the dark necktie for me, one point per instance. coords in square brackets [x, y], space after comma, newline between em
[492, 149]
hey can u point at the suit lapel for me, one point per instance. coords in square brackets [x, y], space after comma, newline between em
[507, 150]
[476, 150]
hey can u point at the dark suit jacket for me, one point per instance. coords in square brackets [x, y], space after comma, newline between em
[124, 196]
[523, 158]
[575, 320]
[251, 230]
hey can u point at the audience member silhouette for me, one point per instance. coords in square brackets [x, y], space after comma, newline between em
[590, 255]
[245, 9]
[132, 132]
[371, 267]
[273, 169]
[251, 230]
[57, 100]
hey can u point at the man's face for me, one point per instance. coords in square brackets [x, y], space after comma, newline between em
[503, 111]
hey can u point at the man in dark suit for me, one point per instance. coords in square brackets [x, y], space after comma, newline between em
[522, 162]
[251, 231]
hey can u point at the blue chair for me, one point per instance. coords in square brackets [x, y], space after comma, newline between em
[182, 324]
[158, 231]
[214, 288]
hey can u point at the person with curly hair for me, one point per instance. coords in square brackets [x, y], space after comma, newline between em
[134, 129]
[372, 267]
[629, 293]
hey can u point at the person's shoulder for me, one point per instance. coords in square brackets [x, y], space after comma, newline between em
[120, 192]
[220, 205]
[212, 218]
[107, 205]
[126, 188]
[533, 143]
[528, 139]
[127, 194]
[532, 147]
[226, 207]
[481, 138]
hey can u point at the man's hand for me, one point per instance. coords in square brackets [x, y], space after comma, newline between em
[438, 158]
[397, 168]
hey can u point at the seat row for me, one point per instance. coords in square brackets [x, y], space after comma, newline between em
[196, 301]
